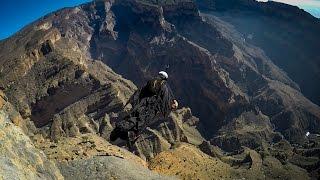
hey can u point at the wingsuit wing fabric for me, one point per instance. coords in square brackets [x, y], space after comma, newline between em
[147, 110]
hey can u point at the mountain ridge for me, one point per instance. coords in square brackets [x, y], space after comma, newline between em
[280, 37]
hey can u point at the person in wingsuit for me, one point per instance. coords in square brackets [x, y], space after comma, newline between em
[149, 103]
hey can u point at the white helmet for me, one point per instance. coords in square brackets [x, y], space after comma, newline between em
[163, 75]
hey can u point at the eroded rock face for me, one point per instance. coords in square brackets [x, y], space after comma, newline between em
[294, 52]
[181, 126]
[19, 159]
[58, 85]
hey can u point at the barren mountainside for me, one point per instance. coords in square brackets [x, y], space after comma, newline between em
[245, 75]
[287, 34]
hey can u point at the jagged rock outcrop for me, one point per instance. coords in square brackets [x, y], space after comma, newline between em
[19, 159]
[181, 126]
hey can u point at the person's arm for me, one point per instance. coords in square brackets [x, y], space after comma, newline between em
[174, 103]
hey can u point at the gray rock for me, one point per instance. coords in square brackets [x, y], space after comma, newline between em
[181, 126]
[106, 167]
[19, 159]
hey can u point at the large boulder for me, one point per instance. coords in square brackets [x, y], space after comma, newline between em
[107, 167]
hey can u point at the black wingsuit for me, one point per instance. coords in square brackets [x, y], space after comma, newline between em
[149, 103]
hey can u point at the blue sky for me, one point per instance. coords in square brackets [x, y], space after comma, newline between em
[311, 6]
[315, 11]
[15, 14]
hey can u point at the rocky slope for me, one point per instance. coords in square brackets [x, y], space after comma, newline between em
[61, 73]
[190, 163]
[287, 34]
[54, 87]
[19, 159]
[89, 156]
